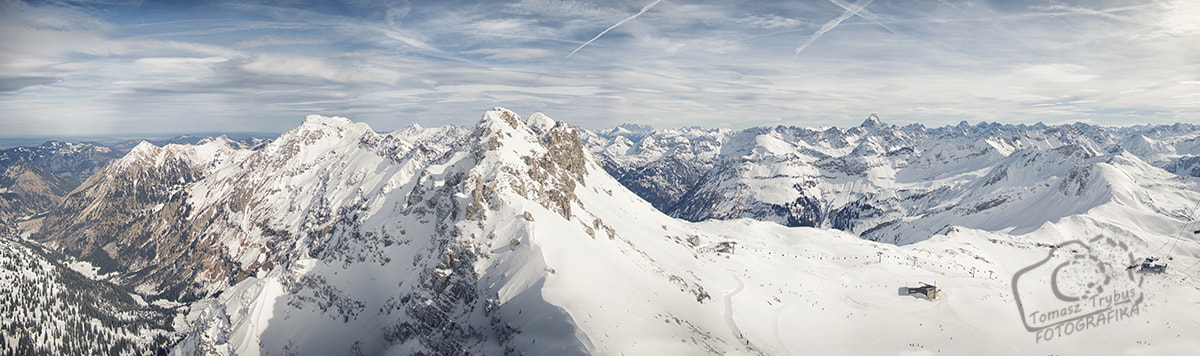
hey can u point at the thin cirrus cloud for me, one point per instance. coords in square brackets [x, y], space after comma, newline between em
[98, 68]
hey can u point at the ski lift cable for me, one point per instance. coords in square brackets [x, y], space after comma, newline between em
[1192, 266]
[1180, 235]
[1182, 228]
[1186, 270]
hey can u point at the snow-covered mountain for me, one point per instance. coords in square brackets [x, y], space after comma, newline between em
[25, 190]
[514, 237]
[132, 217]
[72, 162]
[898, 184]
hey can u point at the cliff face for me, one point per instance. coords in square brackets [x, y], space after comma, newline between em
[132, 217]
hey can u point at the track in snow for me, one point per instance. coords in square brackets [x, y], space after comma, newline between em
[729, 310]
[778, 332]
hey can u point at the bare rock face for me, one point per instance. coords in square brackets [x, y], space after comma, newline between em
[132, 217]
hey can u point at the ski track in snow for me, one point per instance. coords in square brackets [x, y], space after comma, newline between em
[729, 309]
[779, 331]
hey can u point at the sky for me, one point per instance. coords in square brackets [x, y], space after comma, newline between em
[117, 67]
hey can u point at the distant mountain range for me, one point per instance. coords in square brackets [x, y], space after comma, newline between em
[889, 183]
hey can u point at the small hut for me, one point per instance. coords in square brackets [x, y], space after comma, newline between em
[1151, 265]
[726, 247]
[928, 290]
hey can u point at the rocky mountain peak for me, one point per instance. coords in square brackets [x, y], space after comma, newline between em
[316, 127]
[540, 123]
[144, 148]
[499, 115]
[634, 132]
[320, 120]
[502, 130]
[873, 121]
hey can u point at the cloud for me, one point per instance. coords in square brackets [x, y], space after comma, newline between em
[513, 54]
[1178, 18]
[397, 14]
[278, 41]
[51, 18]
[560, 9]
[13, 83]
[770, 21]
[264, 65]
[1056, 72]
[502, 25]
[281, 66]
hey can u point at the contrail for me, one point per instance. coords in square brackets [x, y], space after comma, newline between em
[1106, 13]
[864, 13]
[619, 23]
[850, 11]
